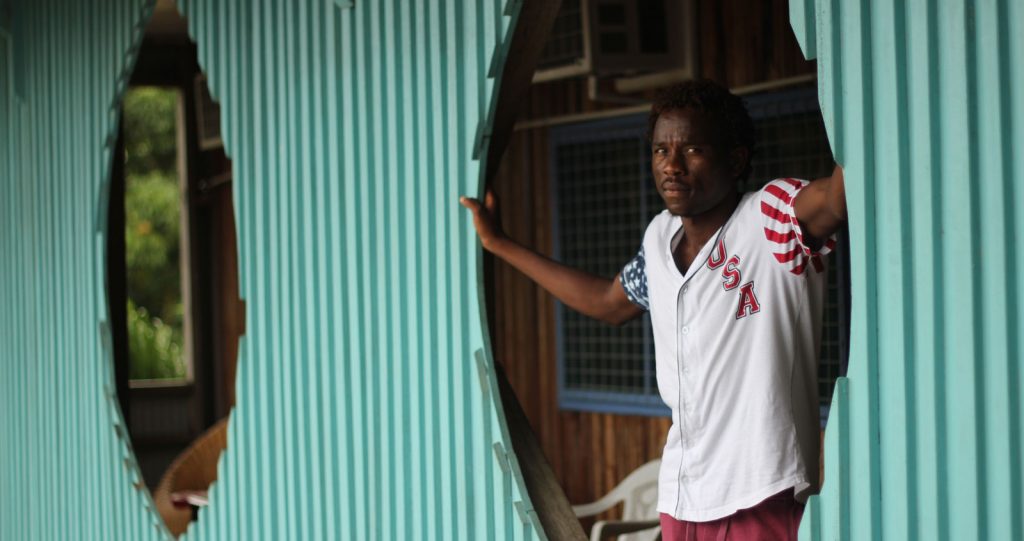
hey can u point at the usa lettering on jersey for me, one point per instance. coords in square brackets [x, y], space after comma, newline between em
[731, 278]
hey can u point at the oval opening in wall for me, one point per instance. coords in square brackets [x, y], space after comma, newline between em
[172, 272]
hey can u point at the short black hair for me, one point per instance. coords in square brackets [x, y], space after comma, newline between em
[737, 128]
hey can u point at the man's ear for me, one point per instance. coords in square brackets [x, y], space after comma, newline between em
[739, 159]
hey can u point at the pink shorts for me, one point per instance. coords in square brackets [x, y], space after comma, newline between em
[777, 518]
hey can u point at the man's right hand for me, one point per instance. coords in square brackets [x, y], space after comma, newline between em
[485, 219]
[595, 296]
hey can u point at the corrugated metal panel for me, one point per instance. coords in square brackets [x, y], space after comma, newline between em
[367, 402]
[65, 471]
[924, 103]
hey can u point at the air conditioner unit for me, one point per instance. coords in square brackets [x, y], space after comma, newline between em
[620, 38]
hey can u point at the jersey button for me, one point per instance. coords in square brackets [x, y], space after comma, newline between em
[685, 330]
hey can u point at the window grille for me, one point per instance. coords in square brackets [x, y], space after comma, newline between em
[792, 141]
[605, 197]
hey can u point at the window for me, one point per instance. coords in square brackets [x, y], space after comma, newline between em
[156, 233]
[605, 197]
[792, 141]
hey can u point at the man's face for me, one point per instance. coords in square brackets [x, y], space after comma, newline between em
[693, 171]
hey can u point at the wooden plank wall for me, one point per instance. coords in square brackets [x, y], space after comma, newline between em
[741, 43]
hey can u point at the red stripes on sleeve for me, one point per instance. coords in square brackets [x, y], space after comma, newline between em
[781, 238]
[782, 194]
[788, 256]
[776, 214]
[782, 229]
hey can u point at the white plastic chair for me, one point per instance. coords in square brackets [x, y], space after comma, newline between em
[639, 494]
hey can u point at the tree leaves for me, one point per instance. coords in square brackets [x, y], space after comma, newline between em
[152, 234]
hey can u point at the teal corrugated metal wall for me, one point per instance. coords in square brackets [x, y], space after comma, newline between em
[924, 104]
[367, 402]
[64, 471]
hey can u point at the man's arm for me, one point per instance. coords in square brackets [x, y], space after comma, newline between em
[821, 206]
[594, 296]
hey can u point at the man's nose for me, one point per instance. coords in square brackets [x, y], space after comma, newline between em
[674, 164]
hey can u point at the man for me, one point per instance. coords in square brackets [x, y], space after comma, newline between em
[734, 284]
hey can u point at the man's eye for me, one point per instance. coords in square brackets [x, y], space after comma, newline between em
[694, 150]
[660, 152]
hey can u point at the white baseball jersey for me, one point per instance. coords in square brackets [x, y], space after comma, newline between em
[736, 343]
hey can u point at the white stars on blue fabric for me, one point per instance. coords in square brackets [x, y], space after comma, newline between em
[634, 280]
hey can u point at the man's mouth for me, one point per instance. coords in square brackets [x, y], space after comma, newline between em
[675, 189]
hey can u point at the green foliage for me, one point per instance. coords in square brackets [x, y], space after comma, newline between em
[155, 348]
[152, 244]
[152, 233]
[150, 138]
